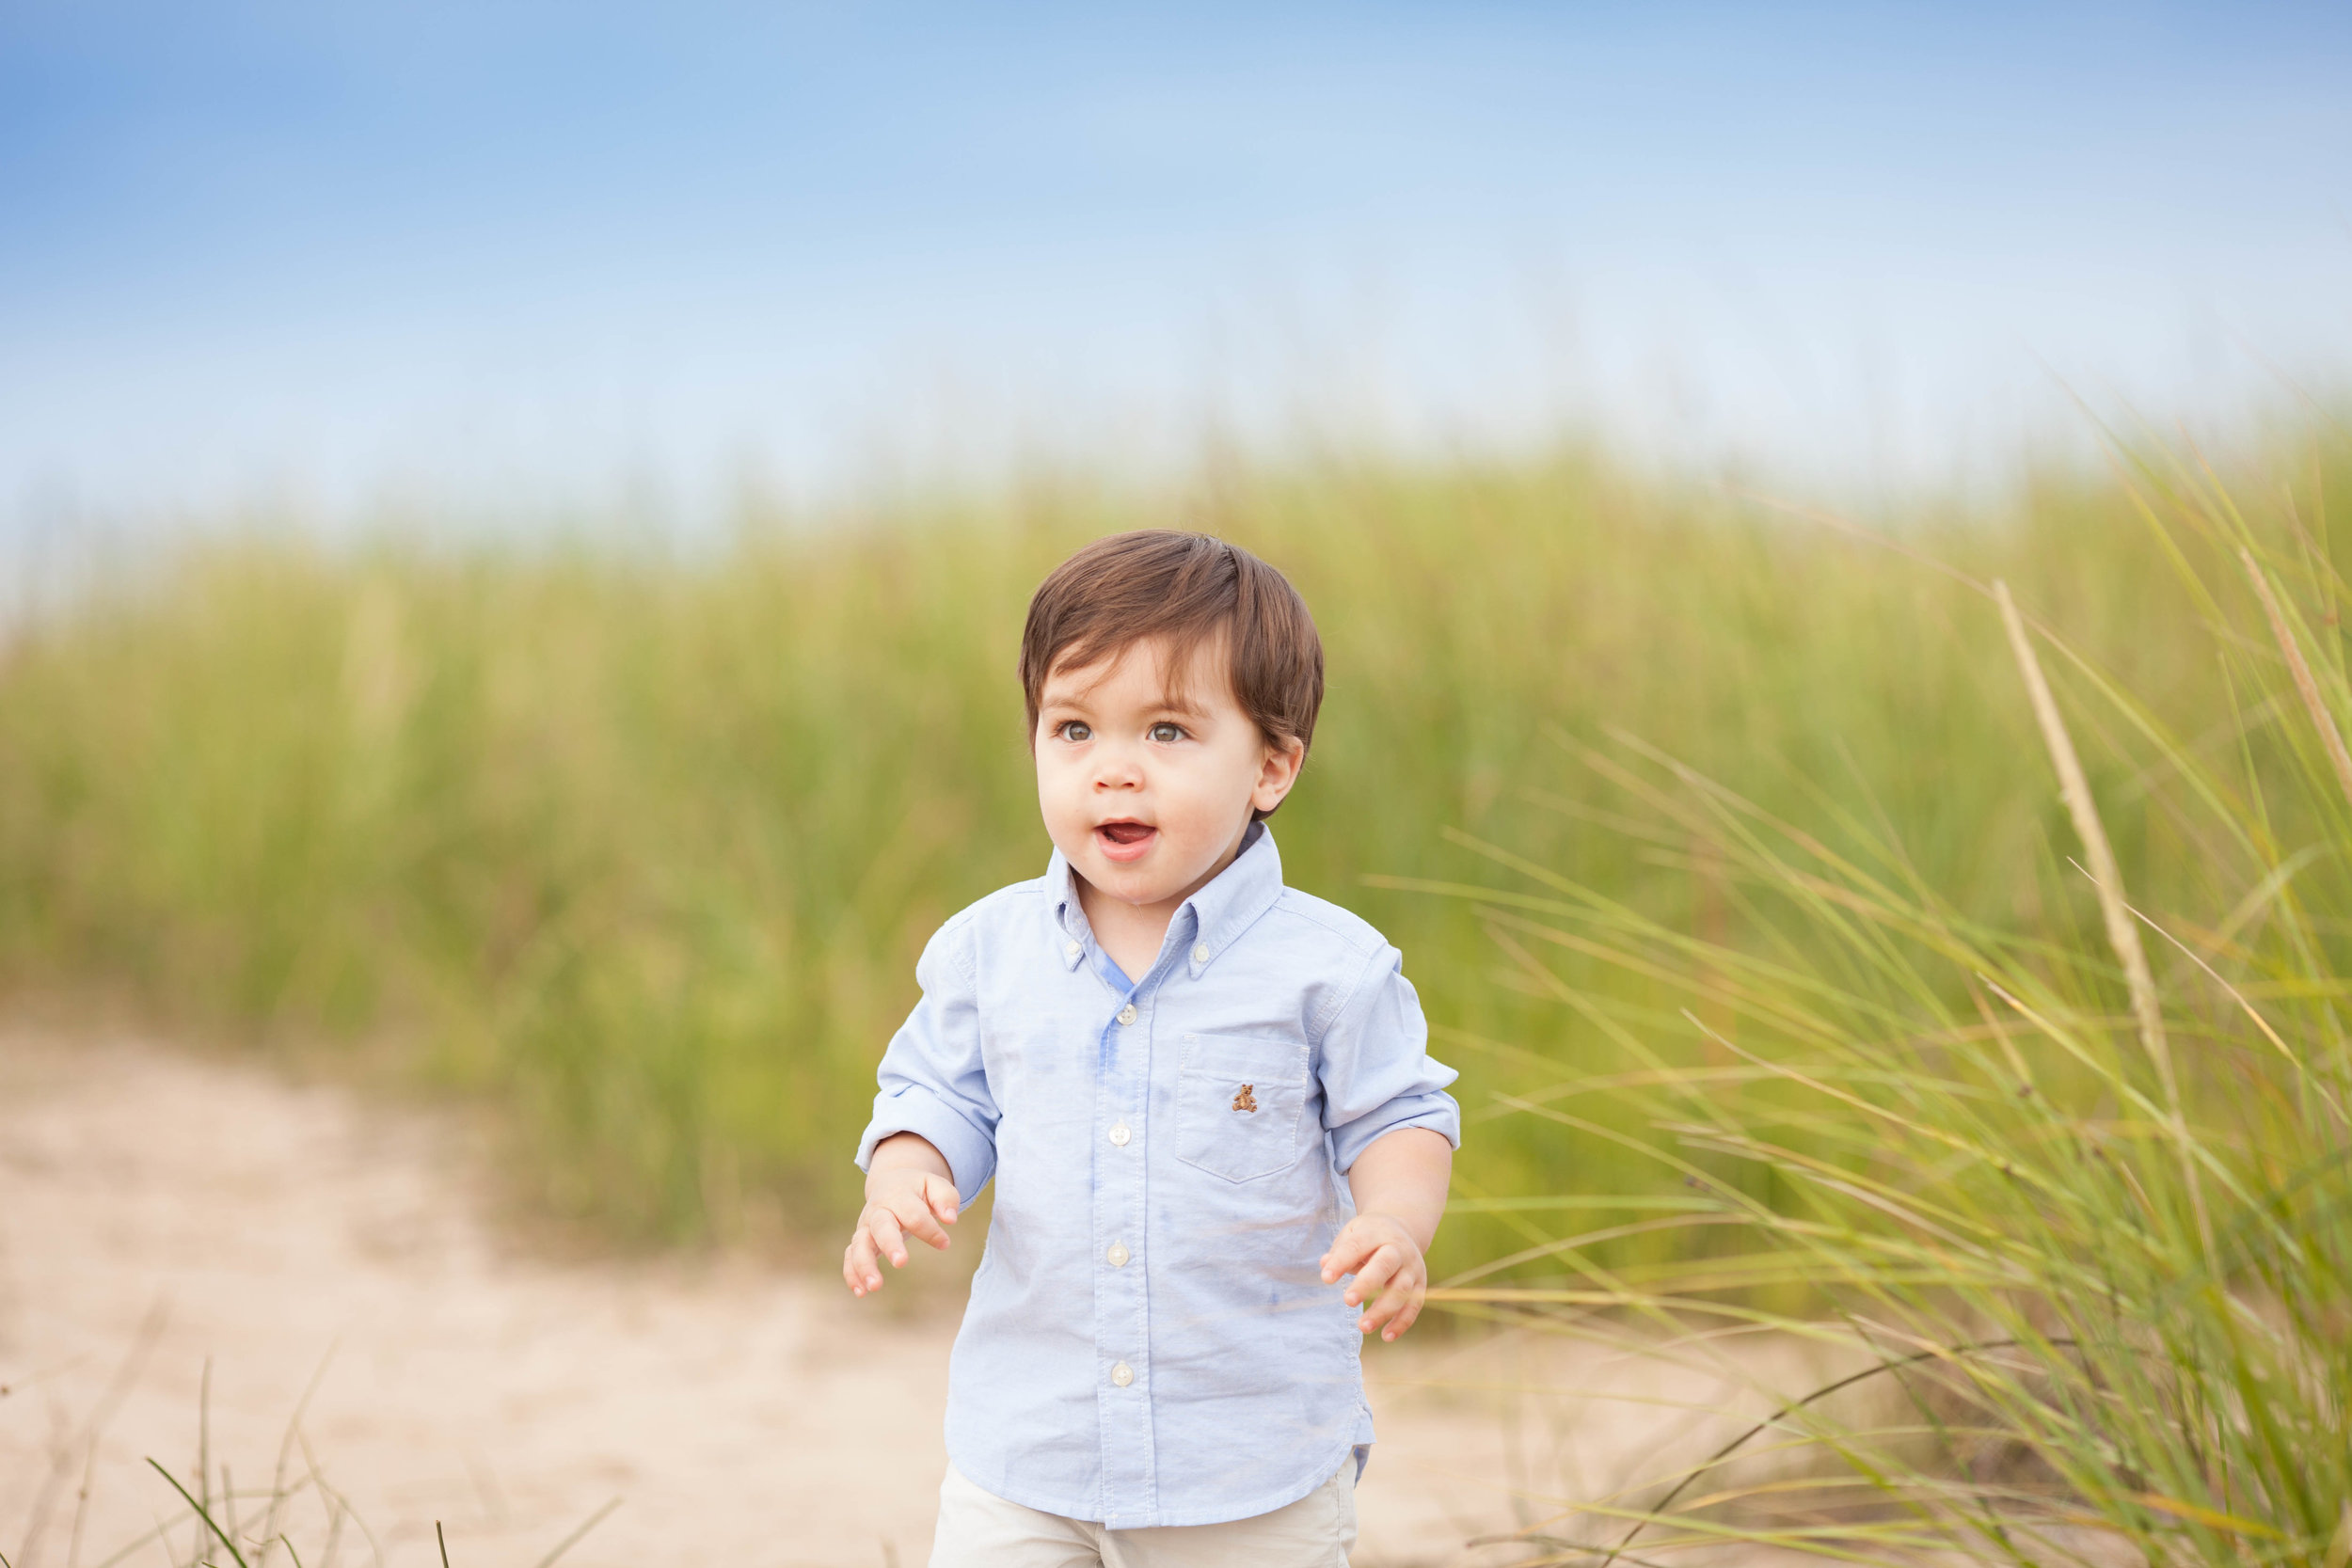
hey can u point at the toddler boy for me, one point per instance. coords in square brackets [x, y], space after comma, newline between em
[1204, 1097]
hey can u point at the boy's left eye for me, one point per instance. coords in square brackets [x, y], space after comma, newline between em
[1163, 731]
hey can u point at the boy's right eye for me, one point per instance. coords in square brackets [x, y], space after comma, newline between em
[1074, 729]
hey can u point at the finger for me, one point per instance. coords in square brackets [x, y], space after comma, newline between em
[940, 1194]
[1406, 1319]
[860, 1267]
[888, 1238]
[1402, 1296]
[1349, 1251]
[1375, 1272]
[914, 1218]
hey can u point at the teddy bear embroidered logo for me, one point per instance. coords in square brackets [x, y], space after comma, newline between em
[1246, 1100]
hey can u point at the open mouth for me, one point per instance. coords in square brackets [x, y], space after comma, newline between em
[1125, 841]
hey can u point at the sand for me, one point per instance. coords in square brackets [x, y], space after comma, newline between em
[163, 1212]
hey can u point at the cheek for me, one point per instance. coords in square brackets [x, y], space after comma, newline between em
[1207, 799]
[1063, 796]
[1053, 779]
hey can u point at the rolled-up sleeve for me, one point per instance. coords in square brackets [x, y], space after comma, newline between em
[933, 1081]
[1376, 1069]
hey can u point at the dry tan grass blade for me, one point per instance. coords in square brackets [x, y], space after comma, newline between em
[2322, 721]
[2122, 932]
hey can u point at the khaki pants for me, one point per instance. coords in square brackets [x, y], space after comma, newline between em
[979, 1529]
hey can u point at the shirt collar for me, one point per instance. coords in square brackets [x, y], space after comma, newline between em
[1221, 911]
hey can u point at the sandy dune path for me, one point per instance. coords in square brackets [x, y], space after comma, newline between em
[745, 1415]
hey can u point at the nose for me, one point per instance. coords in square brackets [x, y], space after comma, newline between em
[1116, 767]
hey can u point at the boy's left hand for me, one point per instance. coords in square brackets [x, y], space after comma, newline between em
[1386, 1260]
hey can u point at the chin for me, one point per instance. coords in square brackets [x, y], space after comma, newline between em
[1145, 881]
[1132, 884]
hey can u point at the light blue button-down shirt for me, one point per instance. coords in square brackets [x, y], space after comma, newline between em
[1148, 1339]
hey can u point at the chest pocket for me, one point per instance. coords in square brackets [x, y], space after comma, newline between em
[1239, 1103]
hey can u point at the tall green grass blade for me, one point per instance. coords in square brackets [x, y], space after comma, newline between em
[201, 1513]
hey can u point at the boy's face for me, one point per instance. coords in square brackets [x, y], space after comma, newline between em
[1145, 792]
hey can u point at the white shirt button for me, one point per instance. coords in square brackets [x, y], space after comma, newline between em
[1120, 1135]
[1126, 1014]
[1200, 952]
[1122, 1374]
[1070, 948]
[1118, 1255]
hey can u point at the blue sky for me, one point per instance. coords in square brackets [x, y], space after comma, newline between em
[503, 257]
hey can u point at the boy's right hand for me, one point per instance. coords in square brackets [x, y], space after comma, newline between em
[902, 1200]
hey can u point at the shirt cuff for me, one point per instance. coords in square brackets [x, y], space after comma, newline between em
[1436, 1110]
[971, 1155]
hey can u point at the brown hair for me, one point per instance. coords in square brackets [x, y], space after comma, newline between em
[1187, 588]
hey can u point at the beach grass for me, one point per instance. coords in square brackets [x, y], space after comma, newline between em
[638, 845]
[2067, 1205]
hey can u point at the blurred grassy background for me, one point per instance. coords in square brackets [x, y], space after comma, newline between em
[641, 846]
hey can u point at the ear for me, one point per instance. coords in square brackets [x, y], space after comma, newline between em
[1276, 772]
